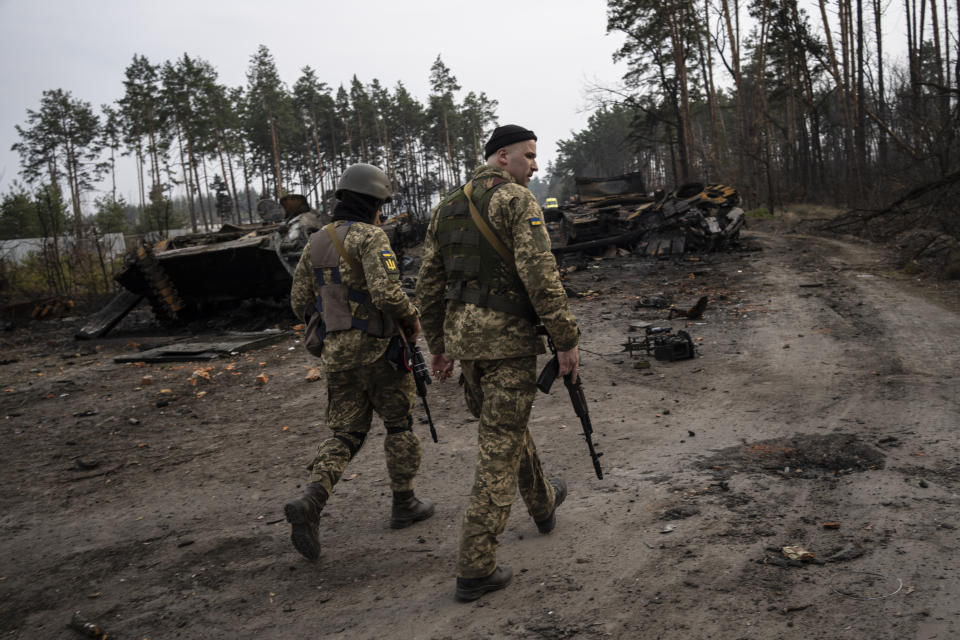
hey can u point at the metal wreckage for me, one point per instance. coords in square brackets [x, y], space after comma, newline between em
[189, 276]
[618, 211]
[200, 274]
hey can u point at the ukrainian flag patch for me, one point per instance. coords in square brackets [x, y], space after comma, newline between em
[535, 222]
[389, 260]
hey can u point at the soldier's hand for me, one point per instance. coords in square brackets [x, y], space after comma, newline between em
[411, 329]
[569, 362]
[442, 366]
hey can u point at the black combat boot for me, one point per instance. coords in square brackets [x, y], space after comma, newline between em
[407, 509]
[303, 514]
[469, 589]
[559, 493]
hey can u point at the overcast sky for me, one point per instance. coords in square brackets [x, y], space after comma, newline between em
[535, 57]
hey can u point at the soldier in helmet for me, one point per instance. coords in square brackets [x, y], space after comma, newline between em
[348, 274]
[487, 278]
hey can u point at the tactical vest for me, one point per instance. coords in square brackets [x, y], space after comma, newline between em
[469, 258]
[335, 297]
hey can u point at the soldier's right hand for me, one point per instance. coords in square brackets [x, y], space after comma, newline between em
[411, 329]
[569, 362]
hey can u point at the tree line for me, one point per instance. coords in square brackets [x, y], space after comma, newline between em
[788, 106]
[787, 100]
[226, 147]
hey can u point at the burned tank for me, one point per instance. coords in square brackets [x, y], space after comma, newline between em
[192, 275]
[618, 211]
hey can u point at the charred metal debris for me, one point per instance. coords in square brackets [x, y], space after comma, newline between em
[659, 342]
[617, 211]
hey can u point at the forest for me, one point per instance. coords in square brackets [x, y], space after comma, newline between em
[791, 101]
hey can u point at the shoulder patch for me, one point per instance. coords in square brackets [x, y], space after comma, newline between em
[389, 261]
[535, 221]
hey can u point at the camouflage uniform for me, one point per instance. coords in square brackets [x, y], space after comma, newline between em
[360, 379]
[498, 353]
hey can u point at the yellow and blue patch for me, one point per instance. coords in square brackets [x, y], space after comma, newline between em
[389, 261]
[535, 221]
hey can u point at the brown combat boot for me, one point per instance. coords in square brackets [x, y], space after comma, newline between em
[469, 589]
[303, 514]
[407, 509]
[559, 494]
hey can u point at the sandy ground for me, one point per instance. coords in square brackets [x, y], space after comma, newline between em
[820, 412]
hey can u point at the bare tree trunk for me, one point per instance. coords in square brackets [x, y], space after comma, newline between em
[187, 184]
[839, 76]
[335, 154]
[717, 151]
[196, 176]
[276, 157]
[113, 173]
[446, 133]
[943, 103]
[206, 186]
[233, 187]
[956, 73]
[235, 215]
[74, 184]
[761, 120]
[946, 42]
[154, 160]
[881, 98]
[246, 184]
[684, 133]
[140, 184]
[316, 145]
[860, 135]
[732, 23]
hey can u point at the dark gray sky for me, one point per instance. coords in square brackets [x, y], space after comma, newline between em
[535, 57]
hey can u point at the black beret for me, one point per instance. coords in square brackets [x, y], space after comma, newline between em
[507, 135]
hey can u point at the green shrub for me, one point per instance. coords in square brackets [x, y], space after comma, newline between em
[912, 268]
[952, 270]
[759, 212]
[73, 273]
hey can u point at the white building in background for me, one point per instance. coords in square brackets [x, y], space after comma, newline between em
[112, 244]
[17, 250]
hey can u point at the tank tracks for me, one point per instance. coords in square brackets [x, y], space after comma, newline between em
[166, 303]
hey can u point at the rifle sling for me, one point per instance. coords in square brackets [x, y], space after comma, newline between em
[343, 250]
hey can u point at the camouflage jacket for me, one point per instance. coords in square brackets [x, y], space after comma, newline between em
[368, 245]
[467, 332]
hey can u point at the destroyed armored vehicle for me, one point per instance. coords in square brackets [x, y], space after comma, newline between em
[618, 211]
[202, 274]
[604, 207]
[186, 276]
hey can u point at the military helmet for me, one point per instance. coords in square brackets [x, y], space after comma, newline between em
[366, 179]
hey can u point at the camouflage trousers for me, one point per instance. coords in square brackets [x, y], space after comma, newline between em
[352, 397]
[500, 393]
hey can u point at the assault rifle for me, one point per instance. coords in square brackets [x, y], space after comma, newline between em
[421, 376]
[579, 401]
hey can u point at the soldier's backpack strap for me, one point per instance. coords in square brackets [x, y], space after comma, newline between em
[485, 229]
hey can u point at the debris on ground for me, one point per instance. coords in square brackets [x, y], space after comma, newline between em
[661, 343]
[86, 628]
[793, 552]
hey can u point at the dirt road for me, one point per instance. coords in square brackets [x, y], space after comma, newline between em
[820, 413]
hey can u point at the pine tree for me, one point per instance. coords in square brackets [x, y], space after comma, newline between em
[63, 141]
